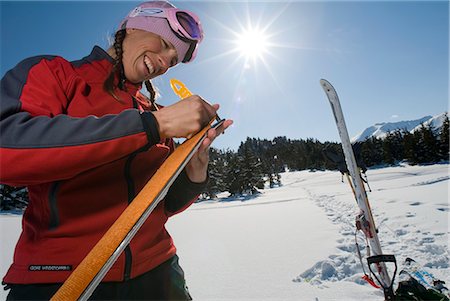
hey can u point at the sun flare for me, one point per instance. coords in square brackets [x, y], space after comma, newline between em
[252, 43]
[251, 36]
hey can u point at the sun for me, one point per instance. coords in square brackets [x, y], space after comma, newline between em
[252, 43]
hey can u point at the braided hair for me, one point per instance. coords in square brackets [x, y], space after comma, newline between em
[153, 94]
[117, 69]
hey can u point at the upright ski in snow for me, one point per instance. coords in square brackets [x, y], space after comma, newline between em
[364, 221]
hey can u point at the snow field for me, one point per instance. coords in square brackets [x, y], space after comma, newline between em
[314, 255]
[296, 242]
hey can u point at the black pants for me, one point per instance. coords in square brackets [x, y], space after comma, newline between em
[165, 282]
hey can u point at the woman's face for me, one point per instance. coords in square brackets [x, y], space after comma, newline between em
[146, 55]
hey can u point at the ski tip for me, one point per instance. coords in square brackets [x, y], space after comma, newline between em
[326, 85]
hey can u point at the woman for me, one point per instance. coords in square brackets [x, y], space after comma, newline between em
[84, 140]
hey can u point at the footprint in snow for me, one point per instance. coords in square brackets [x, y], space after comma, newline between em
[443, 209]
[347, 233]
[415, 204]
[401, 232]
[347, 248]
[427, 240]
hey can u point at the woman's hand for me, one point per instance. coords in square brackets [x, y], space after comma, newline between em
[197, 168]
[185, 118]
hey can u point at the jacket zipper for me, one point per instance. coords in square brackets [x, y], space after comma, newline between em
[131, 193]
[53, 206]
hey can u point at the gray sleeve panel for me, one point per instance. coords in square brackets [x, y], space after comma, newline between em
[21, 130]
[24, 131]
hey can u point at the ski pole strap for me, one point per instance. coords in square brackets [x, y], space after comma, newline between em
[369, 280]
[366, 276]
[376, 259]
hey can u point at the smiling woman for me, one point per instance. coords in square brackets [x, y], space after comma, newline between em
[146, 55]
[93, 112]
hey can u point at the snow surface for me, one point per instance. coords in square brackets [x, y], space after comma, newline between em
[296, 242]
[380, 130]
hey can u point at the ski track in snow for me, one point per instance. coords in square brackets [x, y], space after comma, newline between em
[432, 181]
[397, 235]
[343, 265]
[241, 204]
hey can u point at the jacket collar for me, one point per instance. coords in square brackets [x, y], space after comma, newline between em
[98, 54]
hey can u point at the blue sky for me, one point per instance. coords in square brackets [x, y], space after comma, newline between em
[388, 60]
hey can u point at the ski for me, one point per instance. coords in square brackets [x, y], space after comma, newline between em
[89, 273]
[364, 221]
[427, 279]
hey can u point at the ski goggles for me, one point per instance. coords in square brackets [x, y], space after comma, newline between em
[184, 24]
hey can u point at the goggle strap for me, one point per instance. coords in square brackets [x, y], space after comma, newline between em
[190, 52]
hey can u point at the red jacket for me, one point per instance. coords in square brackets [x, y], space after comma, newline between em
[83, 156]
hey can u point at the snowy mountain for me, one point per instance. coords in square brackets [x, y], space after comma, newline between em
[380, 130]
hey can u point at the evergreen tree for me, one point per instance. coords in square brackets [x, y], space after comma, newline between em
[251, 170]
[444, 145]
[410, 148]
[388, 149]
[232, 171]
[427, 150]
[431, 144]
[334, 148]
[12, 198]
[396, 139]
[216, 174]
[372, 151]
